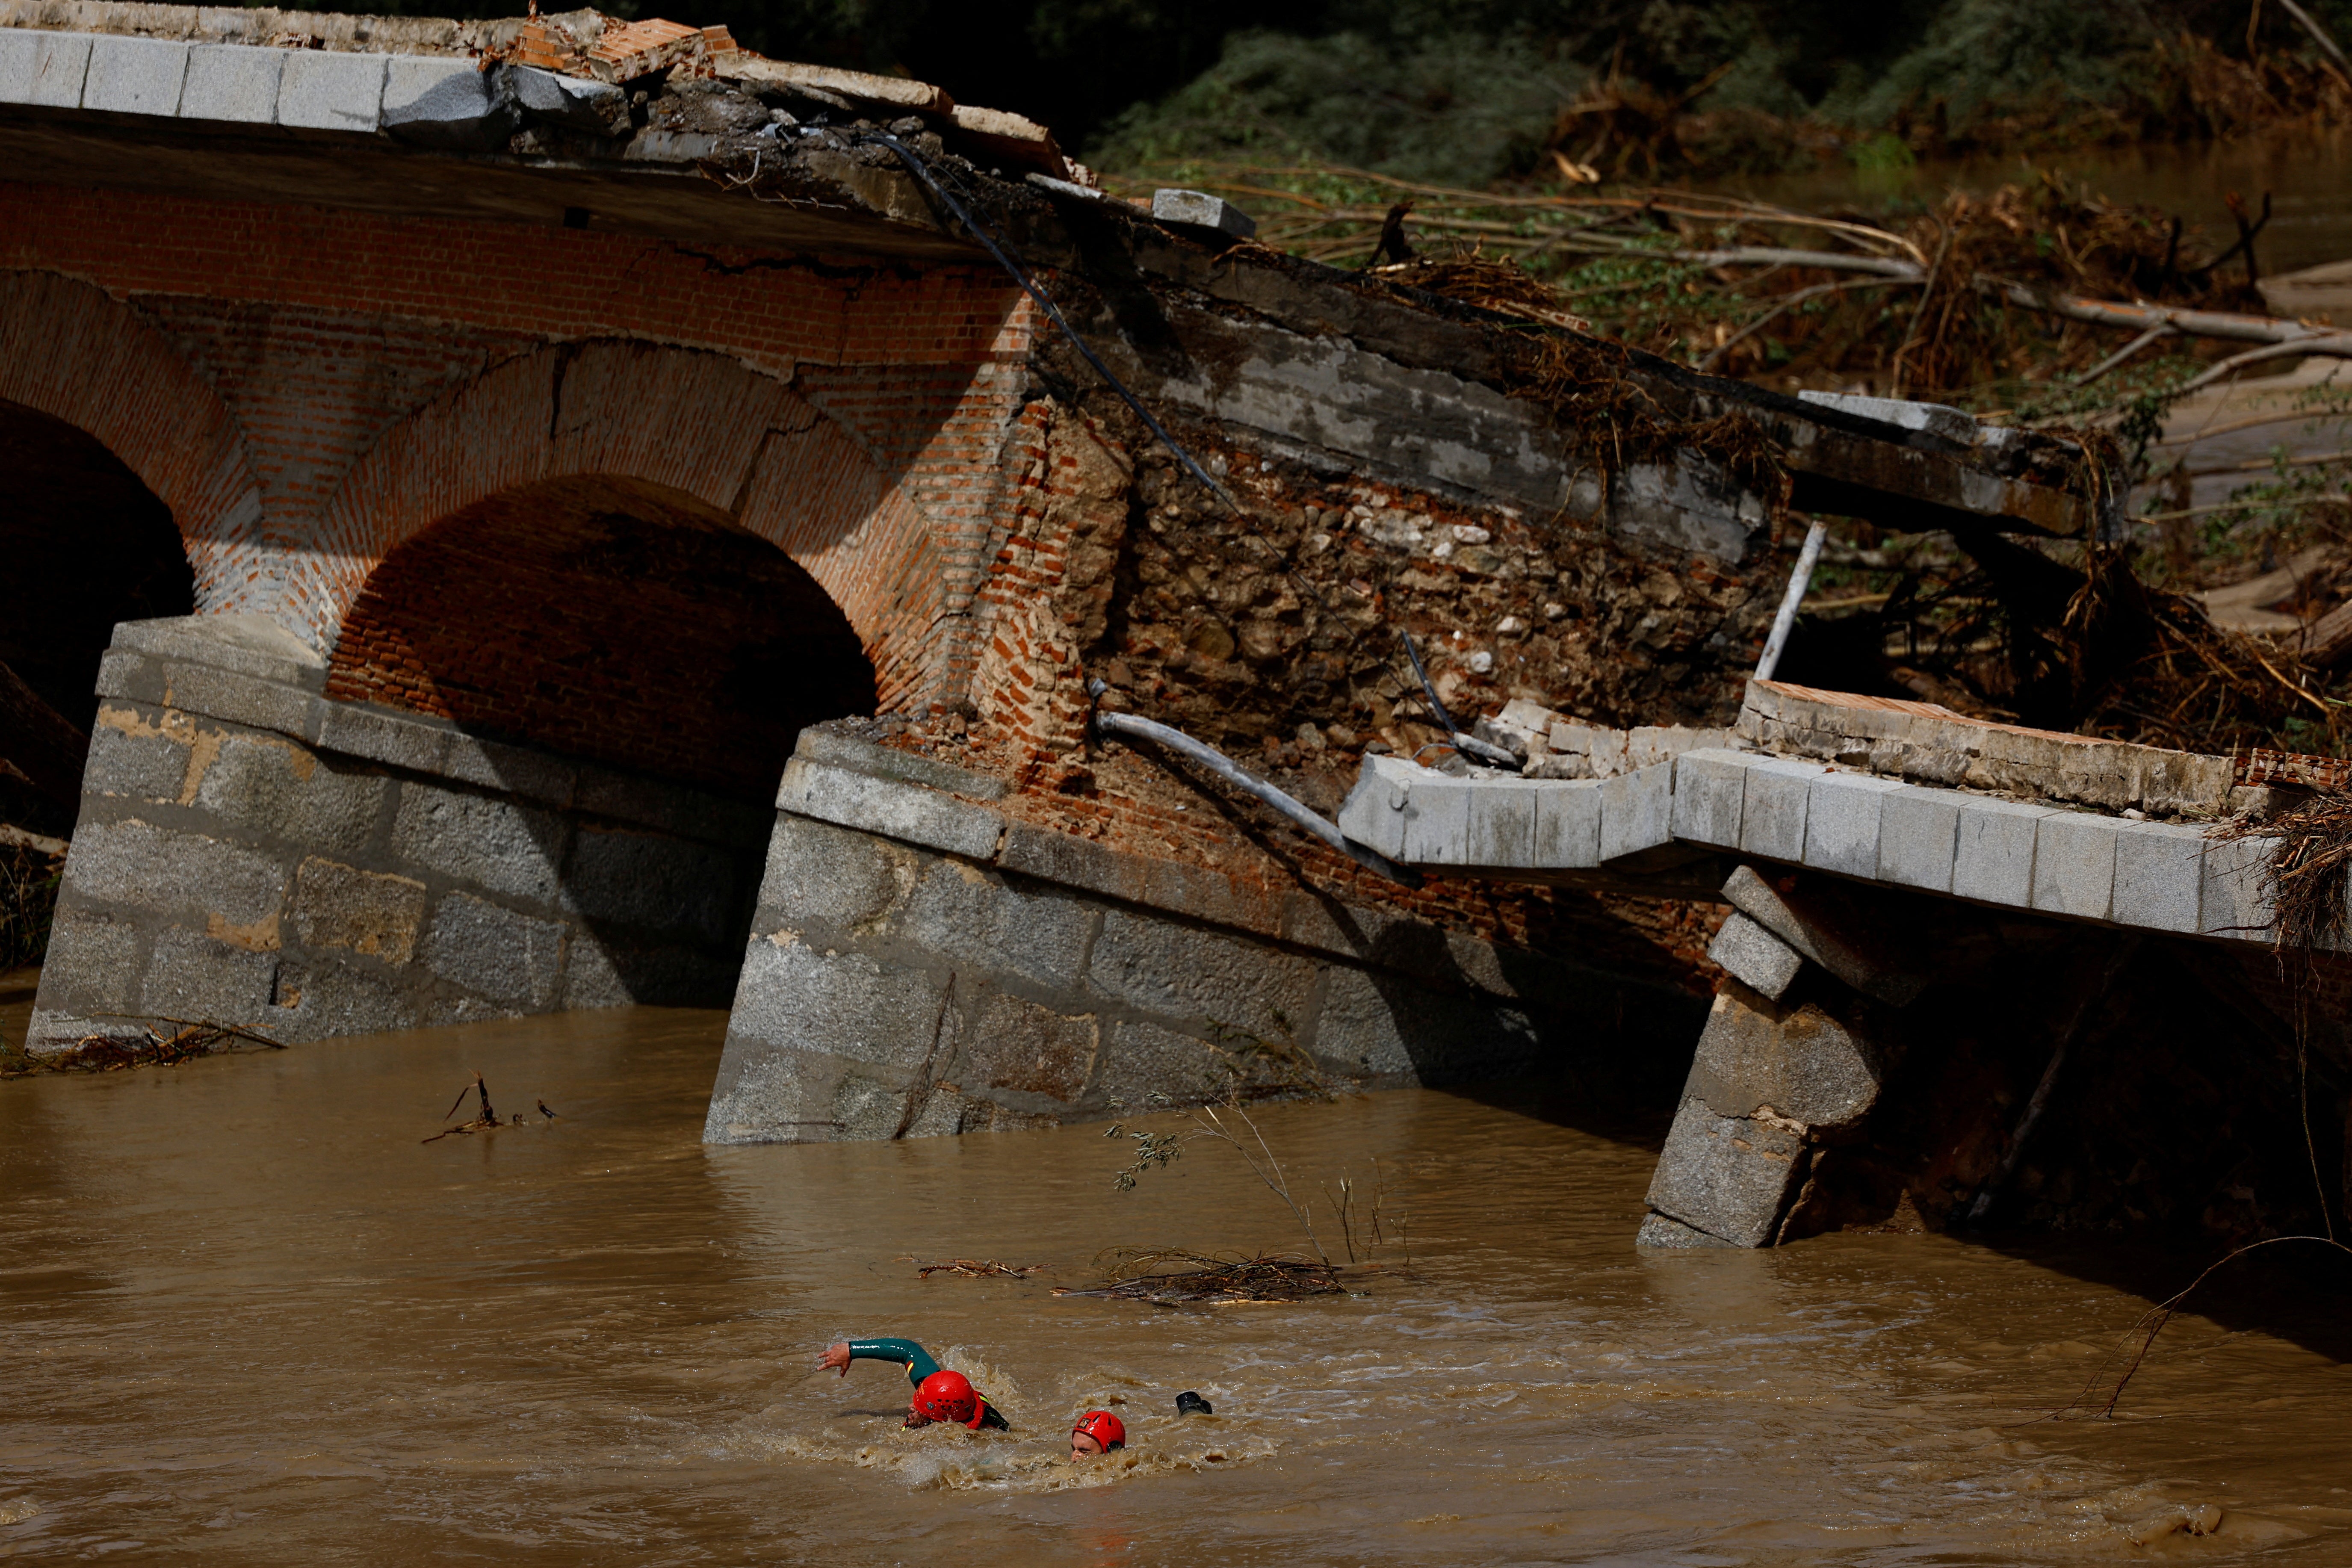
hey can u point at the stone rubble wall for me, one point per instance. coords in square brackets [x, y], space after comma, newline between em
[919, 963]
[252, 853]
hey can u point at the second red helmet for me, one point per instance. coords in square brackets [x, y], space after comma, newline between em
[1104, 1427]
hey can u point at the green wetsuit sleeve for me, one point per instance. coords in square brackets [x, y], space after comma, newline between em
[914, 1357]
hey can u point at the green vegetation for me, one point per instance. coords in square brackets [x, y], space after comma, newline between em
[1471, 94]
[1474, 91]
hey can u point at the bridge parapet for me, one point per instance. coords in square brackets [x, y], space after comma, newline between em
[1671, 823]
[1856, 894]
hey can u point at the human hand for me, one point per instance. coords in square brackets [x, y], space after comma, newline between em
[836, 1358]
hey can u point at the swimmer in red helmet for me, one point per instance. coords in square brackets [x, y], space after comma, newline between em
[1096, 1432]
[939, 1395]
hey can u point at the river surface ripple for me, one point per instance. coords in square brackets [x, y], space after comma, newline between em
[249, 1317]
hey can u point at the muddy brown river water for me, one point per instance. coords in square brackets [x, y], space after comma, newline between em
[249, 1317]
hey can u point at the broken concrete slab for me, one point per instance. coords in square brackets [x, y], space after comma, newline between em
[1730, 1176]
[1930, 745]
[893, 94]
[575, 103]
[1199, 211]
[1755, 957]
[1953, 424]
[1756, 1059]
[1834, 926]
[447, 104]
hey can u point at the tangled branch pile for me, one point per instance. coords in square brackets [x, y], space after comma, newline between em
[1964, 302]
[115, 1053]
[1170, 1277]
[30, 868]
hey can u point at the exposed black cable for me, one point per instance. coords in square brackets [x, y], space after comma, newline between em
[922, 170]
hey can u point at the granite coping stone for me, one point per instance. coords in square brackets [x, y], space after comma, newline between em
[1709, 789]
[232, 84]
[320, 89]
[1846, 827]
[42, 70]
[2058, 860]
[1637, 811]
[1772, 806]
[134, 76]
[829, 744]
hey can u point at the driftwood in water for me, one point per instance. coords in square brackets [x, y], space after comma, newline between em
[975, 1268]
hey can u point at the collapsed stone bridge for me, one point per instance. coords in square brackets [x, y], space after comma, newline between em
[461, 464]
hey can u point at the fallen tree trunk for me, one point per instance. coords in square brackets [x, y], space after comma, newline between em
[2192, 324]
[2327, 641]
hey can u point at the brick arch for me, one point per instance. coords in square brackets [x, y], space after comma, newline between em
[72, 352]
[702, 425]
[611, 618]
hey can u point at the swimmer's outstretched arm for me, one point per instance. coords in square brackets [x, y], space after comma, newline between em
[906, 1353]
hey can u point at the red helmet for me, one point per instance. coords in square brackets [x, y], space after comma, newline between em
[949, 1396]
[1103, 1428]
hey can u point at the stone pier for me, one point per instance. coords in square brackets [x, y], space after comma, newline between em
[251, 852]
[922, 962]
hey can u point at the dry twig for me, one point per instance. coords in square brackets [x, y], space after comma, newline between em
[975, 1269]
